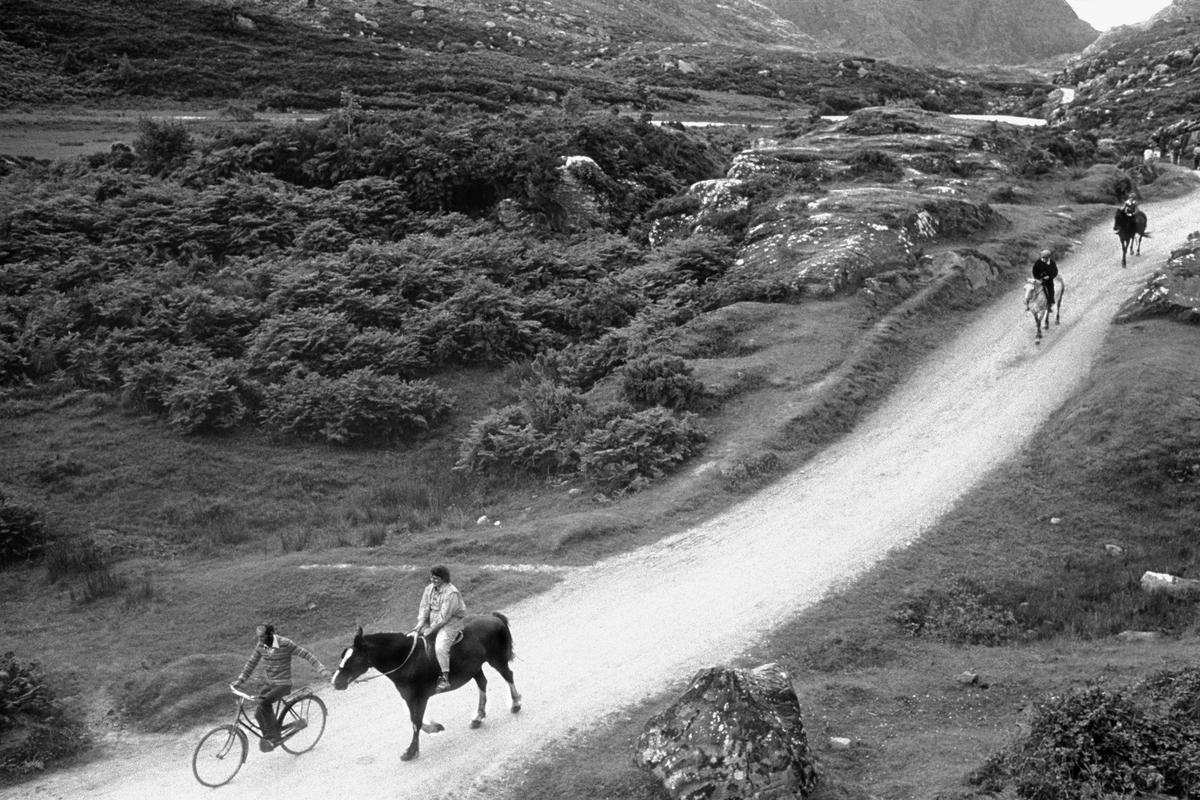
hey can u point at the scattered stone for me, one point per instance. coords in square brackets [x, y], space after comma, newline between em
[968, 678]
[839, 743]
[733, 734]
[482, 520]
[1156, 582]
[1114, 550]
[1139, 636]
[1056, 520]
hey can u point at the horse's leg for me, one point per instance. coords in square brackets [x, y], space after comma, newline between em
[1037, 321]
[416, 713]
[506, 673]
[481, 712]
[1139, 244]
[1124, 249]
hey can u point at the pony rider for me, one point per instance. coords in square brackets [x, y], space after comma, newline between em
[441, 613]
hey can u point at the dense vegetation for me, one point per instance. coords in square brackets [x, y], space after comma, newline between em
[314, 280]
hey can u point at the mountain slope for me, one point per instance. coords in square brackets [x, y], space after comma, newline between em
[942, 31]
[1140, 80]
[914, 31]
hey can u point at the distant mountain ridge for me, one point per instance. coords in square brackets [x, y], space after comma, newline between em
[943, 31]
[953, 32]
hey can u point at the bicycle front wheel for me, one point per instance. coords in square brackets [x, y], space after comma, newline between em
[302, 723]
[220, 755]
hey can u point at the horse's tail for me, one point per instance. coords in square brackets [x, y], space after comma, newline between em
[507, 641]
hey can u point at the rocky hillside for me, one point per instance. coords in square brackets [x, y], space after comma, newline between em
[1139, 81]
[910, 31]
[942, 31]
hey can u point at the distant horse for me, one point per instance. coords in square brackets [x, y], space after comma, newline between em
[1130, 227]
[1036, 304]
[408, 660]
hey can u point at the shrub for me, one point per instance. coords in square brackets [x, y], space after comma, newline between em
[72, 556]
[628, 451]
[507, 439]
[1107, 742]
[874, 164]
[361, 406]
[147, 383]
[35, 730]
[207, 399]
[161, 145]
[22, 533]
[655, 380]
[960, 615]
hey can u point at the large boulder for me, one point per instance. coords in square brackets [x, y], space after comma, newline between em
[1172, 292]
[831, 244]
[733, 735]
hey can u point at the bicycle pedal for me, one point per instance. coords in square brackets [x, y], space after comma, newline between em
[298, 725]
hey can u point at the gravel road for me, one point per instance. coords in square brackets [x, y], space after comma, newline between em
[704, 596]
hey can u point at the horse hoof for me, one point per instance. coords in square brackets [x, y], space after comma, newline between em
[516, 707]
[409, 755]
[476, 723]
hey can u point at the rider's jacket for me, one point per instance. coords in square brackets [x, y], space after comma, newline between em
[441, 604]
[1045, 269]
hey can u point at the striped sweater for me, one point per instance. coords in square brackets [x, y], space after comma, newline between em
[276, 661]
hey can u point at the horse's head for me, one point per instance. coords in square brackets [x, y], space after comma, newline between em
[355, 661]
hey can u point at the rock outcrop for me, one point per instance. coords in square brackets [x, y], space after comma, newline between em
[1172, 292]
[901, 186]
[733, 735]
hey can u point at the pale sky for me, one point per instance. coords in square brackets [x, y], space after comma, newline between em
[1104, 14]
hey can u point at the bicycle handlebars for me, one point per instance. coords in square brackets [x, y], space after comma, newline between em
[233, 688]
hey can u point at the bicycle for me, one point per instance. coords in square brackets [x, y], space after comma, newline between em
[222, 751]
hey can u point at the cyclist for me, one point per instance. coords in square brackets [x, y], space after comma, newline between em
[275, 652]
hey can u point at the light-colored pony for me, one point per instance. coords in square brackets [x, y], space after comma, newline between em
[1035, 303]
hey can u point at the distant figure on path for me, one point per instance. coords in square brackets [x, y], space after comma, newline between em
[1045, 269]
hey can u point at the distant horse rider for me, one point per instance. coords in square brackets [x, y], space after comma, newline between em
[1125, 214]
[1045, 270]
[441, 615]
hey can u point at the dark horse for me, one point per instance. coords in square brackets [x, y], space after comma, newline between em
[1130, 227]
[409, 661]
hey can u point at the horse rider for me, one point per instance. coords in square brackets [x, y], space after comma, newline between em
[1125, 213]
[441, 614]
[1045, 270]
[275, 653]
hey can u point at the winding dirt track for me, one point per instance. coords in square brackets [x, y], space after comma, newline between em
[706, 595]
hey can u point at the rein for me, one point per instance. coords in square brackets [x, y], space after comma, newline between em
[412, 650]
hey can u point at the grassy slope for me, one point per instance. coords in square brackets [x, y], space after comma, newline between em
[917, 731]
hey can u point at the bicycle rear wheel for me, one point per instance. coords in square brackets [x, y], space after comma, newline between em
[302, 722]
[219, 755]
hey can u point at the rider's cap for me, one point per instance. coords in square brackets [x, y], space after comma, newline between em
[1045, 253]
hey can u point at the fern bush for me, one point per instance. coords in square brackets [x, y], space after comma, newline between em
[507, 440]
[22, 533]
[629, 451]
[35, 729]
[657, 380]
[361, 406]
[161, 145]
[1107, 742]
[539, 434]
[207, 399]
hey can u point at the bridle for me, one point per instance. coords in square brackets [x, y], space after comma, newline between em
[412, 635]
